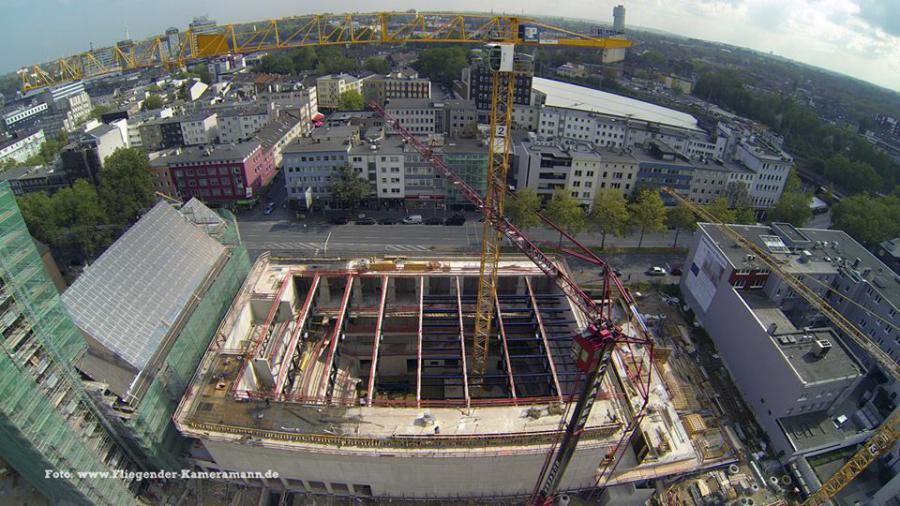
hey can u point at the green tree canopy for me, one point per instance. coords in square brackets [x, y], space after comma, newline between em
[793, 208]
[720, 209]
[566, 211]
[303, 58]
[522, 210]
[351, 100]
[609, 214]
[347, 188]
[377, 65]
[276, 64]
[855, 177]
[100, 110]
[681, 218]
[648, 213]
[152, 102]
[442, 64]
[72, 218]
[870, 220]
[126, 185]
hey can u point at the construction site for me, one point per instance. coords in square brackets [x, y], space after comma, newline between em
[354, 378]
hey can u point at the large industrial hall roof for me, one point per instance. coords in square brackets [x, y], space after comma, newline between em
[130, 297]
[571, 96]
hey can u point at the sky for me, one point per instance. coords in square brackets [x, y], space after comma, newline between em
[860, 38]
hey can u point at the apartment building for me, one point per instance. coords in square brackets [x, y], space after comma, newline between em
[771, 167]
[579, 168]
[21, 146]
[199, 128]
[223, 173]
[400, 84]
[238, 123]
[330, 87]
[85, 156]
[423, 116]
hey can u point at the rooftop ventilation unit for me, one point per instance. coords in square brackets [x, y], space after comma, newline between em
[821, 347]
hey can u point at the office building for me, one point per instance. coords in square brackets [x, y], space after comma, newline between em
[400, 84]
[86, 154]
[619, 18]
[329, 88]
[38, 178]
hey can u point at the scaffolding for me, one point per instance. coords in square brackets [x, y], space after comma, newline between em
[151, 425]
[47, 420]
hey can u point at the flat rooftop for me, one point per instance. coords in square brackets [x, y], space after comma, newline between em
[571, 96]
[360, 350]
[799, 347]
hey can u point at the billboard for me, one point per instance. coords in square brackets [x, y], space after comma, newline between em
[705, 272]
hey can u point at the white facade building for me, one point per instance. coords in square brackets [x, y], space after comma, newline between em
[22, 147]
[200, 128]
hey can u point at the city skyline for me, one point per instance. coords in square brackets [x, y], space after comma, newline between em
[858, 38]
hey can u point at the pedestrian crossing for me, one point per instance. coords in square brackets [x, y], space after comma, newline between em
[336, 246]
[406, 247]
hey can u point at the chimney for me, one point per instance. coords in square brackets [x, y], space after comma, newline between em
[866, 271]
[856, 262]
[772, 328]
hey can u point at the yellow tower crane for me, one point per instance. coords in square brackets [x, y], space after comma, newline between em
[501, 34]
[887, 434]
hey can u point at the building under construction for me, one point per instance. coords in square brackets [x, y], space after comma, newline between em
[354, 378]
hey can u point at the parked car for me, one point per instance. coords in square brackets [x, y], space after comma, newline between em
[389, 221]
[656, 271]
[413, 219]
[269, 208]
[675, 271]
[456, 220]
[434, 220]
[366, 221]
[339, 220]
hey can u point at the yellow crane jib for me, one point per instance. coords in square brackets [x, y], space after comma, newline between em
[311, 30]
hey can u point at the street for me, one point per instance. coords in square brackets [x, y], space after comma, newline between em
[280, 232]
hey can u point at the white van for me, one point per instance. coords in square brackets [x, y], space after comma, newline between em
[413, 219]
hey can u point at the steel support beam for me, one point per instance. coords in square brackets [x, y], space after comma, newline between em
[462, 343]
[537, 315]
[419, 343]
[378, 323]
[512, 383]
[335, 340]
[291, 349]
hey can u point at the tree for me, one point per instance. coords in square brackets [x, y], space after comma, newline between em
[722, 212]
[304, 58]
[442, 64]
[72, 218]
[793, 208]
[681, 218]
[565, 211]
[855, 177]
[522, 210]
[347, 188]
[744, 215]
[648, 213]
[99, 110]
[276, 64]
[37, 209]
[80, 217]
[351, 100]
[152, 102]
[377, 65]
[869, 220]
[126, 185]
[609, 214]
